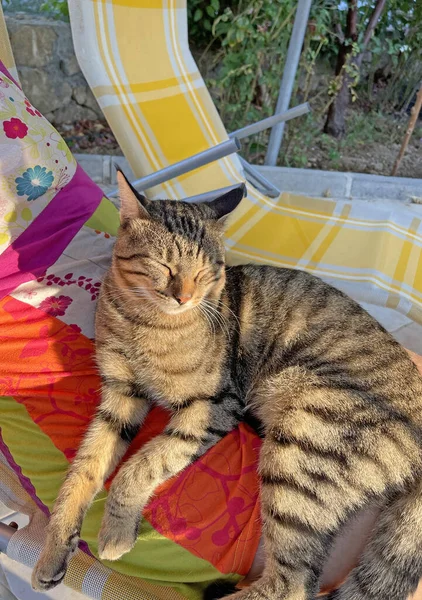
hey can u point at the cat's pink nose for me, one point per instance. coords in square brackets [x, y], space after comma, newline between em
[182, 298]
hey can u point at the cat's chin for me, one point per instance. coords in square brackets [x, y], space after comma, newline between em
[175, 310]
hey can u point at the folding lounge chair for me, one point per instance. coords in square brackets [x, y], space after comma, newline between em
[136, 58]
[56, 235]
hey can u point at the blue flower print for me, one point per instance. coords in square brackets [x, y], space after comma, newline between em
[34, 182]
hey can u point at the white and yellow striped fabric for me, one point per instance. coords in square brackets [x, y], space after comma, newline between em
[85, 574]
[135, 55]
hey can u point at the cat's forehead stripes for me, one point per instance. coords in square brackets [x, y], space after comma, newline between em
[188, 228]
[180, 250]
[179, 218]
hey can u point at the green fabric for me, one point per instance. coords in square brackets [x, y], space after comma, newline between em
[105, 218]
[40, 461]
[154, 557]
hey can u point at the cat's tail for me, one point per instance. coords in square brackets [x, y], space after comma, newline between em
[391, 564]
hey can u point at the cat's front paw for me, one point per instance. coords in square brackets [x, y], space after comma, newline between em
[117, 535]
[50, 569]
[253, 593]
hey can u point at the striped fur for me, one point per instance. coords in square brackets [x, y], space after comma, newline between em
[337, 400]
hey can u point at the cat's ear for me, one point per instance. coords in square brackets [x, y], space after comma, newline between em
[132, 204]
[225, 204]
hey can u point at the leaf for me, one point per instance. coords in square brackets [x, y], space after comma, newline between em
[240, 35]
[216, 5]
[5, 114]
[26, 214]
[10, 217]
[63, 147]
[4, 237]
[210, 11]
[197, 15]
[35, 347]
[34, 153]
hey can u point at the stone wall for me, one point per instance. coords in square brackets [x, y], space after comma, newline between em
[48, 69]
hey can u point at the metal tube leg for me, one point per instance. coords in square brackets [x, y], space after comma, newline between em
[257, 177]
[280, 117]
[188, 164]
[6, 532]
[288, 79]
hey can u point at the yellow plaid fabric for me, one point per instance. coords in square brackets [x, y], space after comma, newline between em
[136, 58]
[85, 574]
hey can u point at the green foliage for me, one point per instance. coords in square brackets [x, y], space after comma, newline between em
[251, 40]
[58, 8]
[244, 45]
[372, 138]
[395, 65]
[249, 44]
[201, 16]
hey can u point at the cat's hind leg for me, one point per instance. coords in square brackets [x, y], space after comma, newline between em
[326, 454]
[391, 565]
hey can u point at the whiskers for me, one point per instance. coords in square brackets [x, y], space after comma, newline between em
[227, 307]
[122, 290]
[209, 310]
[214, 316]
[203, 313]
[140, 291]
[122, 293]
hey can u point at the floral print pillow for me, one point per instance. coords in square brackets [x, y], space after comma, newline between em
[34, 182]
[35, 162]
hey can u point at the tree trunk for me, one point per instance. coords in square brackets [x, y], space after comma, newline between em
[335, 124]
[411, 126]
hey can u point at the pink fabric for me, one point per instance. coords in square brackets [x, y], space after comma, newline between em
[45, 239]
[6, 72]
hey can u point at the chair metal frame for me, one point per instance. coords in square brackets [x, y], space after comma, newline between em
[230, 146]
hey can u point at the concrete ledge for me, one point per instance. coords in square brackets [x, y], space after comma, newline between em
[319, 184]
[308, 181]
[347, 186]
[101, 167]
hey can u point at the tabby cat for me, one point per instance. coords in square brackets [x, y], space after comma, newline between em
[338, 402]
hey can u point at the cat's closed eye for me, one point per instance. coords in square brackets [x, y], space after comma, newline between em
[169, 270]
[161, 293]
[201, 273]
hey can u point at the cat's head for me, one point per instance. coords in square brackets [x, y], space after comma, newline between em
[171, 253]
